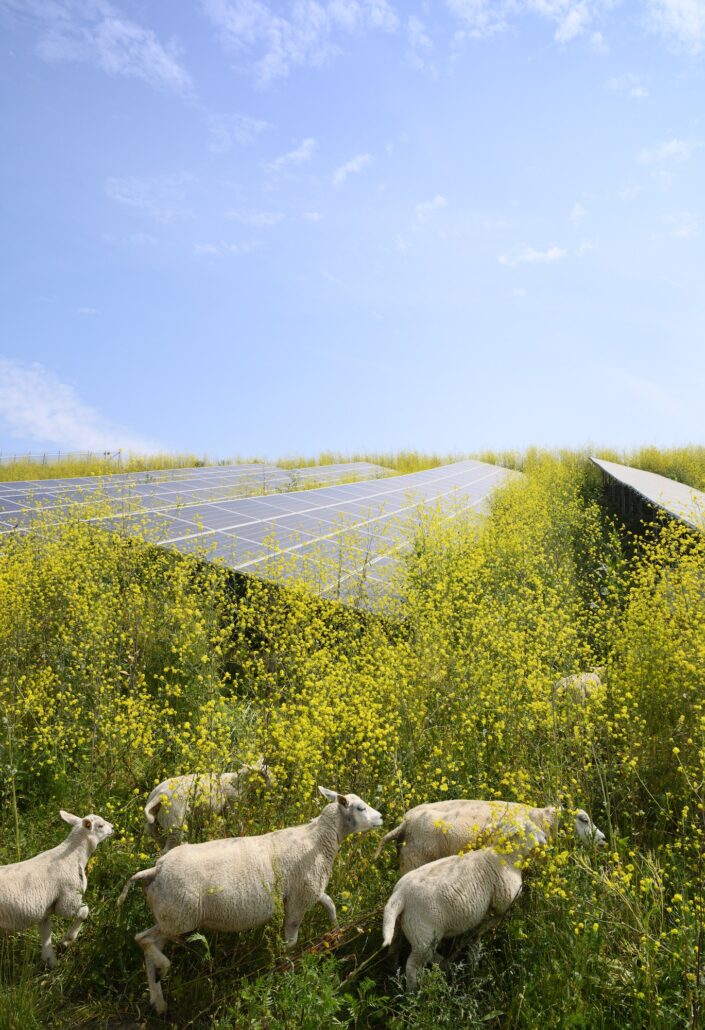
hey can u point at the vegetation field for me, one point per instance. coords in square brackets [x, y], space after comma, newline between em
[121, 664]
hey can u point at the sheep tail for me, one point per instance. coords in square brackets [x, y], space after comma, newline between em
[151, 809]
[144, 874]
[392, 911]
[396, 834]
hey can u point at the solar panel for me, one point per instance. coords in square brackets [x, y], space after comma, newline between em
[165, 489]
[347, 542]
[676, 499]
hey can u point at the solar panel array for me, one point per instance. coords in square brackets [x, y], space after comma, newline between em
[676, 499]
[164, 489]
[345, 541]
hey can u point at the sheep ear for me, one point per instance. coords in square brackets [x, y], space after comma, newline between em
[87, 823]
[72, 820]
[330, 794]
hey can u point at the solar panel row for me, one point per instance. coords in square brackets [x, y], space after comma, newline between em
[345, 541]
[161, 491]
[677, 499]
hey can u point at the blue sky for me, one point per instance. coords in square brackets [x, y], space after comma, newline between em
[238, 227]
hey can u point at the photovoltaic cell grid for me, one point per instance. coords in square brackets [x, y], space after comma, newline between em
[345, 541]
[676, 499]
[165, 489]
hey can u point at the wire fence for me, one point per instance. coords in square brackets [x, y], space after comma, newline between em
[46, 458]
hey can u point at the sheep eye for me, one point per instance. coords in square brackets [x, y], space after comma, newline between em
[583, 819]
[361, 808]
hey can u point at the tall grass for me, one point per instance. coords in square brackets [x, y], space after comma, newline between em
[121, 664]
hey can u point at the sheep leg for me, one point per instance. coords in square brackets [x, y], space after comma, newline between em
[156, 964]
[475, 943]
[329, 906]
[293, 914]
[72, 932]
[48, 956]
[421, 955]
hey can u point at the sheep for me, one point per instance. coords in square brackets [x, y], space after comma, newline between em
[454, 895]
[172, 801]
[52, 883]
[440, 828]
[235, 884]
[578, 687]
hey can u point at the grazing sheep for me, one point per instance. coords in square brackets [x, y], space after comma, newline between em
[235, 884]
[440, 828]
[173, 801]
[454, 895]
[579, 686]
[52, 883]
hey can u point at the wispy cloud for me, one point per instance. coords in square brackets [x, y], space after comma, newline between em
[351, 167]
[427, 208]
[419, 45]
[681, 21]
[87, 312]
[312, 216]
[628, 85]
[96, 32]
[577, 214]
[481, 19]
[684, 226]
[669, 152]
[251, 216]
[531, 256]
[298, 156]
[229, 129]
[36, 405]
[159, 196]
[224, 249]
[273, 42]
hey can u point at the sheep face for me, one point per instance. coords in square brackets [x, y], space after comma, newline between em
[586, 830]
[94, 824]
[356, 815]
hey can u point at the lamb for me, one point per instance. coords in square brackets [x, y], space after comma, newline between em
[440, 828]
[457, 894]
[235, 884]
[172, 801]
[52, 883]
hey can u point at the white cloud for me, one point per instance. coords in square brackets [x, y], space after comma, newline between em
[228, 129]
[87, 312]
[682, 21]
[480, 19]
[629, 85]
[577, 214]
[251, 216]
[160, 196]
[36, 405]
[299, 155]
[312, 216]
[274, 42]
[671, 151]
[95, 32]
[224, 249]
[684, 226]
[531, 256]
[351, 167]
[419, 46]
[424, 210]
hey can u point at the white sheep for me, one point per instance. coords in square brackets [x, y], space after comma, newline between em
[578, 687]
[454, 895]
[52, 883]
[174, 800]
[237, 883]
[439, 828]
